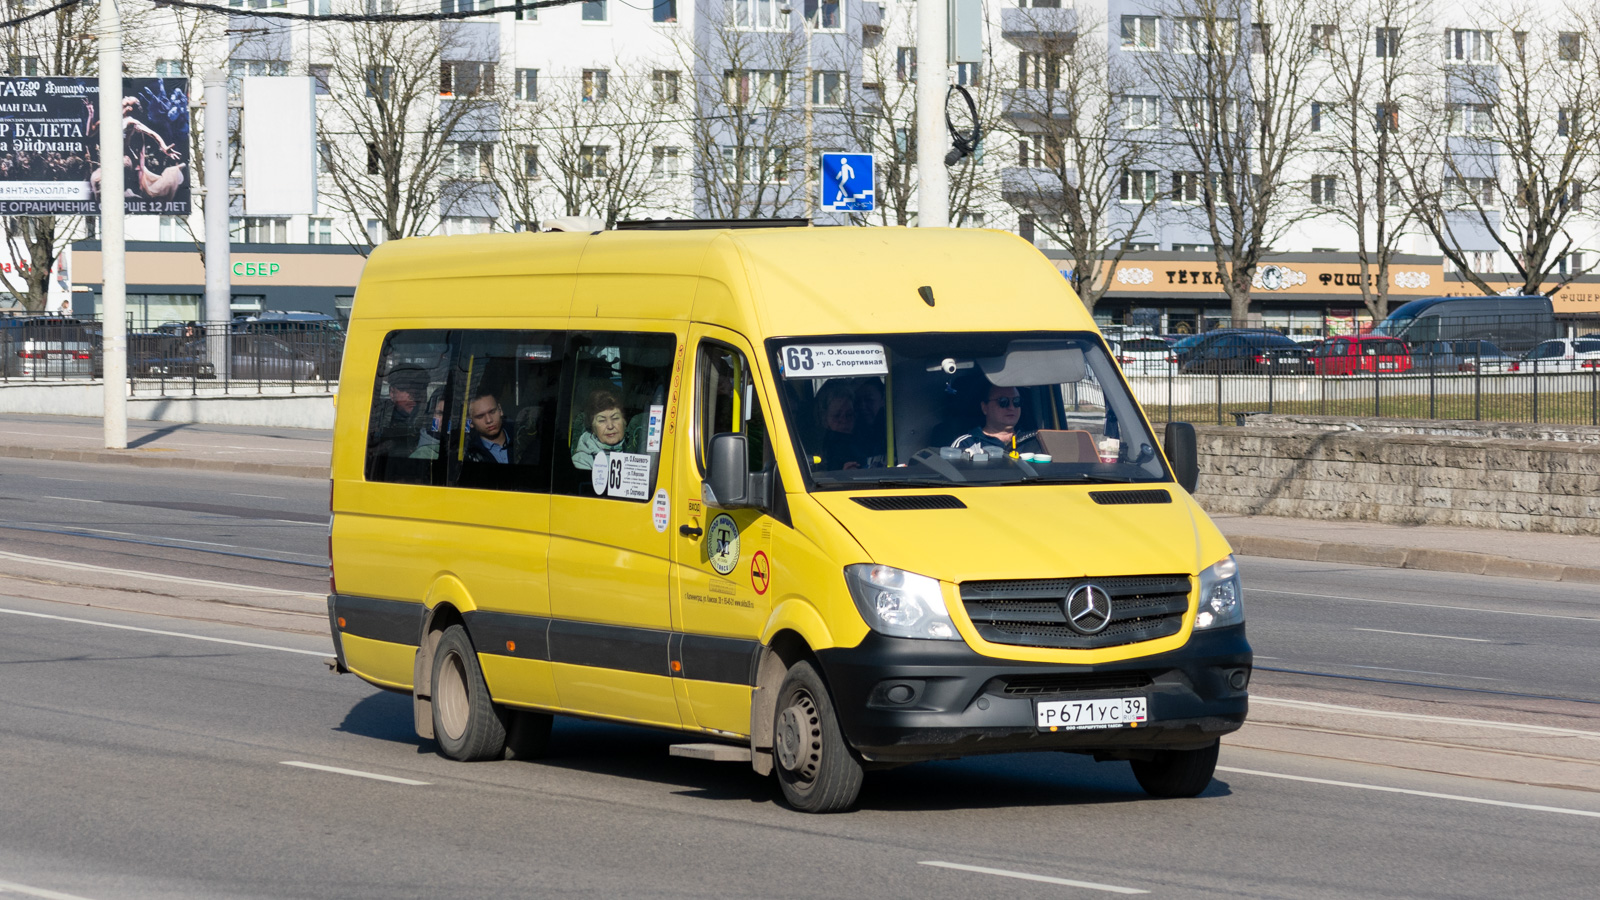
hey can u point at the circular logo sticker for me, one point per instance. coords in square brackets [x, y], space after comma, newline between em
[600, 471]
[760, 571]
[722, 543]
[661, 509]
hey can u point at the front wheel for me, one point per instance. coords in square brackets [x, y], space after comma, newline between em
[816, 769]
[467, 724]
[1177, 773]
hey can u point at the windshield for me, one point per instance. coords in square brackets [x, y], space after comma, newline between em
[905, 410]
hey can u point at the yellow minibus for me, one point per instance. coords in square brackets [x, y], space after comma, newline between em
[826, 499]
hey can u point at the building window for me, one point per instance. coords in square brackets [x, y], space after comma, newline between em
[1386, 117]
[1038, 70]
[1188, 187]
[321, 231]
[1193, 248]
[756, 87]
[321, 80]
[968, 74]
[1569, 46]
[529, 14]
[594, 10]
[173, 228]
[1140, 33]
[1475, 192]
[1570, 264]
[664, 12]
[1141, 111]
[1468, 45]
[374, 159]
[1316, 115]
[530, 162]
[1566, 121]
[755, 165]
[1025, 228]
[468, 224]
[379, 80]
[1204, 34]
[824, 14]
[465, 79]
[905, 63]
[528, 84]
[664, 163]
[1469, 118]
[1138, 186]
[1324, 190]
[468, 160]
[258, 230]
[594, 85]
[1322, 37]
[257, 4]
[239, 68]
[665, 82]
[752, 14]
[592, 160]
[827, 88]
[375, 232]
[324, 158]
[165, 68]
[1260, 38]
[973, 219]
[1386, 42]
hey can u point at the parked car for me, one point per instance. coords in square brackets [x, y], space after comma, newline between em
[1144, 356]
[46, 347]
[260, 356]
[1248, 352]
[1561, 355]
[307, 336]
[157, 355]
[1186, 347]
[1517, 323]
[1459, 356]
[1361, 354]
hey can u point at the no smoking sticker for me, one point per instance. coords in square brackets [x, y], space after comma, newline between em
[760, 572]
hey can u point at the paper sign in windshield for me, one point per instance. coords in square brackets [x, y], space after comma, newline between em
[833, 360]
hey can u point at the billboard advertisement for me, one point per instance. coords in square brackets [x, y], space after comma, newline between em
[50, 146]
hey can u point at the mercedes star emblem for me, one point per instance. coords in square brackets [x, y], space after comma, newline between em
[1088, 609]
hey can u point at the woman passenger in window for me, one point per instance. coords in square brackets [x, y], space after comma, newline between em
[605, 427]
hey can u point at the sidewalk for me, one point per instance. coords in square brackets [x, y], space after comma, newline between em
[304, 453]
[295, 452]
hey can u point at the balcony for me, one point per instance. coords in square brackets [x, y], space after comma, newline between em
[1026, 188]
[1034, 104]
[1035, 29]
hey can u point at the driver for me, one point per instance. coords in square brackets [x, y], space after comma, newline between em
[1002, 410]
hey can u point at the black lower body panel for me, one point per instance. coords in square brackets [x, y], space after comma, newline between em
[903, 700]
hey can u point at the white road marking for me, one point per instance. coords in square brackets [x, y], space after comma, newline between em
[1498, 612]
[1026, 876]
[1445, 637]
[1418, 717]
[48, 478]
[179, 634]
[262, 496]
[1591, 814]
[1413, 672]
[356, 772]
[73, 499]
[176, 579]
[6, 886]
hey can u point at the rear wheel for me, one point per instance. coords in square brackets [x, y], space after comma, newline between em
[466, 723]
[1177, 773]
[816, 769]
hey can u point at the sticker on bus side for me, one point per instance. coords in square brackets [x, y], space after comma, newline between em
[833, 360]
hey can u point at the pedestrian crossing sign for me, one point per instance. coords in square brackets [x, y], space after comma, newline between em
[847, 182]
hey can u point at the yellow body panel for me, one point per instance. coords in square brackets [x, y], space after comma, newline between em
[604, 562]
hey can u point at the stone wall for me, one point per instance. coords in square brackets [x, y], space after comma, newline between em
[1319, 471]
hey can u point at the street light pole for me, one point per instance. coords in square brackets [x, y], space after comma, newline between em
[933, 182]
[113, 279]
[811, 195]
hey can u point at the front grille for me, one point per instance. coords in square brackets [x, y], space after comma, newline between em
[911, 501]
[1031, 612]
[1068, 683]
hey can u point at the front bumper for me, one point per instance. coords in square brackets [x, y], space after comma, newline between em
[903, 700]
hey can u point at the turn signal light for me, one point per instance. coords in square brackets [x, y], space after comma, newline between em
[511, 646]
[341, 621]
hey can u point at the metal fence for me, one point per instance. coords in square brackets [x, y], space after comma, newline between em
[234, 357]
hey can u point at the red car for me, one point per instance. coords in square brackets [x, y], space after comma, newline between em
[1349, 354]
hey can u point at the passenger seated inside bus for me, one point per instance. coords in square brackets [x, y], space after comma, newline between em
[604, 429]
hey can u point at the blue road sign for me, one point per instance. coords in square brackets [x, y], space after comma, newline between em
[847, 182]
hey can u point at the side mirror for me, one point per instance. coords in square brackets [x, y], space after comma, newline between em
[1182, 454]
[729, 482]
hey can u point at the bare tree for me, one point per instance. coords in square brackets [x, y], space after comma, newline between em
[1084, 132]
[747, 127]
[53, 45]
[599, 142]
[1238, 75]
[1375, 59]
[411, 122]
[1506, 145]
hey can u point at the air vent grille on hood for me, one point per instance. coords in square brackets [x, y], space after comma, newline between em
[1119, 498]
[912, 501]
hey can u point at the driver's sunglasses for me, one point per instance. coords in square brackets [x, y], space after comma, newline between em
[1007, 402]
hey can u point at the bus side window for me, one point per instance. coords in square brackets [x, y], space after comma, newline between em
[499, 420]
[402, 430]
[614, 414]
[726, 403]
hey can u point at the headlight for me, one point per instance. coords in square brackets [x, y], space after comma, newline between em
[1221, 597]
[899, 603]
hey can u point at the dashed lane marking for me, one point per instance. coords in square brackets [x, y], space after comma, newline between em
[356, 772]
[1029, 876]
[176, 634]
[1483, 801]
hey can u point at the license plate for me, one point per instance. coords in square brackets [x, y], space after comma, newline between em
[1285, 359]
[1386, 365]
[1082, 715]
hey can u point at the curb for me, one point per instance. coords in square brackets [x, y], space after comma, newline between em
[147, 459]
[1458, 561]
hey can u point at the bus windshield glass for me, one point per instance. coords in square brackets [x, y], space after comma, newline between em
[906, 410]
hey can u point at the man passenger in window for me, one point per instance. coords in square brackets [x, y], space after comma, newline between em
[1002, 410]
[396, 418]
[605, 428]
[490, 442]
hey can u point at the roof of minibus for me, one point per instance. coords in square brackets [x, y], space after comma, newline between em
[831, 280]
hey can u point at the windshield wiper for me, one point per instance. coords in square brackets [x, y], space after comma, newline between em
[1080, 478]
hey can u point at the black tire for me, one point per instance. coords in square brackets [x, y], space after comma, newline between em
[528, 734]
[1177, 773]
[817, 771]
[466, 723]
